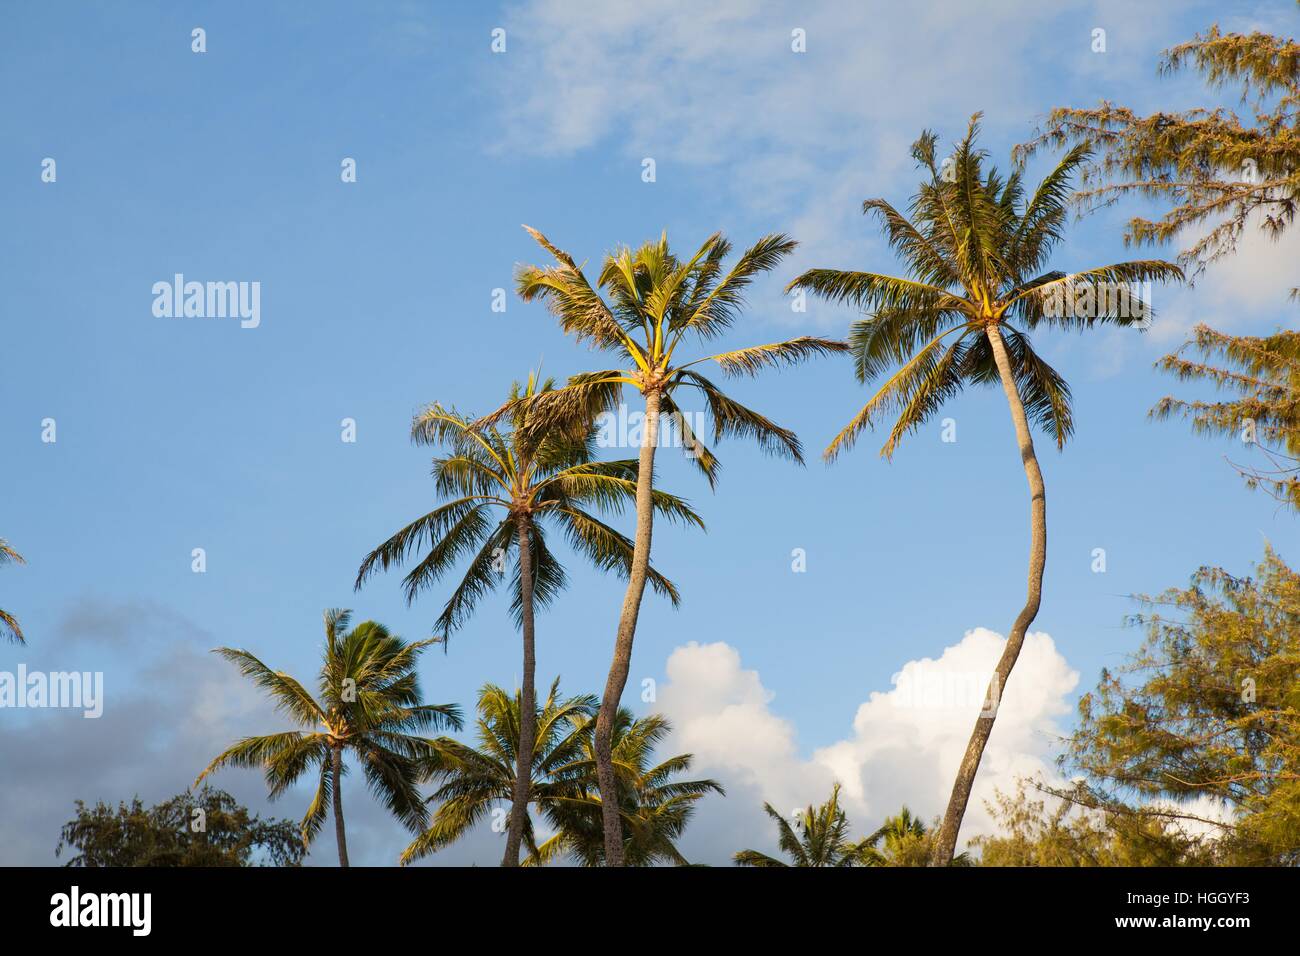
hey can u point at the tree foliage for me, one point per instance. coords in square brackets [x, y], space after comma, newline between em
[1217, 175]
[368, 704]
[204, 829]
[646, 304]
[977, 249]
[1207, 166]
[1190, 753]
[548, 475]
[1263, 374]
[473, 780]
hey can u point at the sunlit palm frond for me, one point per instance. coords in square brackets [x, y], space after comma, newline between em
[752, 360]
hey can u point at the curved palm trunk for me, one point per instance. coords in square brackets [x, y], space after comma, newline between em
[339, 835]
[609, 701]
[945, 843]
[527, 701]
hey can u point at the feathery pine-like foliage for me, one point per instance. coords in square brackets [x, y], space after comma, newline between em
[165, 835]
[1207, 165]
[1080, 831]
[976, 249]
[367, 705]
[546, 476]
[1209, 707]
[8, 623]
[1265, 373]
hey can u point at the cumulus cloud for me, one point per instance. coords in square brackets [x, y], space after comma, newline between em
[903, 748]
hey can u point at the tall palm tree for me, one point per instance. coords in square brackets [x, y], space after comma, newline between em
[368, 703]
[654, 806]
[976, 249]
[531, 477]
[8, 623]
[475, 778]
[653, 302]
[819, 837]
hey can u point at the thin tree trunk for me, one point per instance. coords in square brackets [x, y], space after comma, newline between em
[339, 835]
[527, 701]
[945, 843]
[609, 701]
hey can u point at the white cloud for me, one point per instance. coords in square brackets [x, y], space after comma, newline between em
[904, 746]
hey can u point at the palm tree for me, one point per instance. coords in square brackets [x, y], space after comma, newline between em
[368, 704]
[654, 806]
[821, 838]
[562, 784]
[902, 840]
[474, 779]
[655, 301]
[8, 623]
[532, 477]
[975, 251]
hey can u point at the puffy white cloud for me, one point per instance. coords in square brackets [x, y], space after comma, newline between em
[904, 747]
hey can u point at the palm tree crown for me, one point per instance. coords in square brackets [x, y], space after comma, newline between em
[563, 789]
[903, 840]
[475, 779]
[652, 303]
[975, 249]
[545, 476]
[819, 836]
[368, 704]
[654, 805]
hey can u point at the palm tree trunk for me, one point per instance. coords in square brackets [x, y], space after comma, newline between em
[339, 835]
[527, 700]
[609, 701]
[945, 843]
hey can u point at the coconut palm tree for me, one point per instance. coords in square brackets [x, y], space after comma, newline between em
[368, 704]
[8, 623]
[652, 303]
[976, 250]
[654, 806]
[474, 779]
[530, 478]
[818, 837]
[902, 840]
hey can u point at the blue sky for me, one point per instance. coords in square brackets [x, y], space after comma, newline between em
[174, 434]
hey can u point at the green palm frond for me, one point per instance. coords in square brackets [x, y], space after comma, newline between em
[370, 705]
[975, 250]
[752, 360]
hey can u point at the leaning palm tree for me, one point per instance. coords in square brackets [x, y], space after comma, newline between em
[976, 250]
[531, 477]
[8, 623]
[654, 805]
[368, 704]
[818, 837]
[474, 779]
[652, 303]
